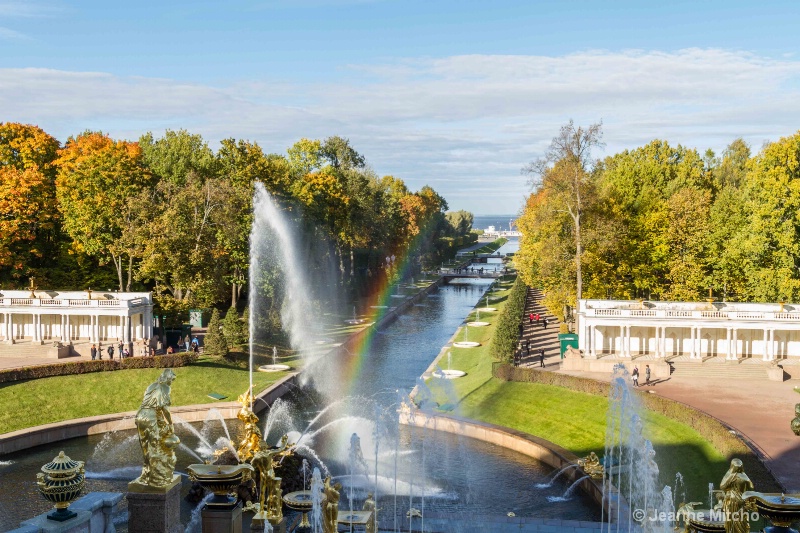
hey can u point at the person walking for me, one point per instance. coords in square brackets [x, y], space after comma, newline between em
[544, 323]
[530, 318]
[647, 374]
[111, 352]
[528, 347]
[94, 352]
[541, 358]
[635, 376]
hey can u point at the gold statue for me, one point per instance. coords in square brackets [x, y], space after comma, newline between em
[369, 505]
[591, 465]
[251, 436]
[796, 420]
[157, 434]
[685, 513]
[330, 506]
[735, 508]
[270, 497]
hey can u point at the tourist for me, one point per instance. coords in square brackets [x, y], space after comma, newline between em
[528, 347]
[647, 374]
[125, 353]
[170, 351]
[99, 351]
[188, 342]
[635, 376]
[111, 352]
[94, 352]
[530, 318]
[544, 323]
[541, 358]
[119, 351]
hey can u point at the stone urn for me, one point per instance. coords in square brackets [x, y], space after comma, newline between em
[61, 482]
[780, 509]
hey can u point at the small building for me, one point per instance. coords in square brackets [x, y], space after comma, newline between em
[661, 330]
[75, 317]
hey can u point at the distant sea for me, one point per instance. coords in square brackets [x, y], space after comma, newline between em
[500, 222]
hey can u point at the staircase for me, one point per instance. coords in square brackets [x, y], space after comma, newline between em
[539, 337]
[718, 367]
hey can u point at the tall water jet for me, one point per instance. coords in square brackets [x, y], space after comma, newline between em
[273, 246]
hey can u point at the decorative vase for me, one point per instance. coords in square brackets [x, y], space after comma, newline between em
[60, 482]
[221, 480]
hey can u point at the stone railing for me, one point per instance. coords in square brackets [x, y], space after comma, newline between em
[690, 314]
[70, 302]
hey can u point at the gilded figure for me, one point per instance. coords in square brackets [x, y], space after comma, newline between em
[734, 484]
[330, 506]
[250, 442]
[270, 494]
[157, 433]
[369, 505]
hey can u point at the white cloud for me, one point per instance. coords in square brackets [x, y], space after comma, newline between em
[463, 124]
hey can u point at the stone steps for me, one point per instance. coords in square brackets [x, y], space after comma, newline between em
[714, 369]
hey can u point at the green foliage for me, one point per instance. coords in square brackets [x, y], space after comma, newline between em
[214, 343]
[506, 333]
[233, 328]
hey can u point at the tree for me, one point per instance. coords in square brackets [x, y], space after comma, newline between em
[566, 170]
[176, 155]
[98, 178]
[233, 328]
[340, 155]
[214, 342]
[29, 219]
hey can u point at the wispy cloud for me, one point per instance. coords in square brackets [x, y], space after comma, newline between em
[7, 34]
[461, 124]
[28, 9]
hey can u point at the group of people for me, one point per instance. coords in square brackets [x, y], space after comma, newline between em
[121, 351]
[539, 319]
[635, 375]
[527, 344]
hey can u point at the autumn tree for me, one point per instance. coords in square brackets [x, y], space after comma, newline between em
[98, 179]
[29, 225]
[566, 170]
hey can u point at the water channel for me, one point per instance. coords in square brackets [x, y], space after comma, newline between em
[434, 471]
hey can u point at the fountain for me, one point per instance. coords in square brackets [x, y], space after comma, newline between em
[466, 343]
[355, 320]
[477, 323]
[274, 367]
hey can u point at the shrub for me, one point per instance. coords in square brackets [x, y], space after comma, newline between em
[506, 333]
[103, 365]
[214, 342]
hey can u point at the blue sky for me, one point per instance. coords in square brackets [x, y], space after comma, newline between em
[457, 95]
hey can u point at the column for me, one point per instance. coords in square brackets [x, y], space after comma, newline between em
[6, 326]
[728, 344]
[621, 352]
[734, 351]
[10, 328]
[592, 336]
[67, 332]
[699, 340]
[772, 349]
[37, 332]
[628, 341]
[126, 330]
[765, 356]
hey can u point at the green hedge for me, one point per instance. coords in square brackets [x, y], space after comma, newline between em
[710, 428]
[506, 333]
[86, 367]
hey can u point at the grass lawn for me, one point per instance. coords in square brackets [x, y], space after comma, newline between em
[573, 420]
[47, 400]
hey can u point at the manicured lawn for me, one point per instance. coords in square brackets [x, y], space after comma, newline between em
[42, 401]
[574, 420]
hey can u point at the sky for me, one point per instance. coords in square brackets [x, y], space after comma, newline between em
[458, 95]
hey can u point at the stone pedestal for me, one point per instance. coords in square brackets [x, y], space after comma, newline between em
[222, 520]
[153, 510]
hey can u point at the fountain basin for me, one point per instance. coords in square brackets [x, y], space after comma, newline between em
[466, 344]
[449, 374]
[779, 509]
[477, 324]
[221, 480]
[354, 321]
[274, 368]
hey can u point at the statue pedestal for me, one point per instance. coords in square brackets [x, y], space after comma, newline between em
[222, 520]
[154, 510]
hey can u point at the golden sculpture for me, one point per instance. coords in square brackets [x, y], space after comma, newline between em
[157, 436]
[591, 465]
[685, 513]
[250, 442]
[734, 507]
[270, 495]
[796, 420]
[330, 506]
[369, 505]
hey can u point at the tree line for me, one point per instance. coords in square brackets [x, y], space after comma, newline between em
[662, 222]
[170, 214]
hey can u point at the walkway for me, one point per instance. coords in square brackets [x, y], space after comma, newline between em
[537, 337]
